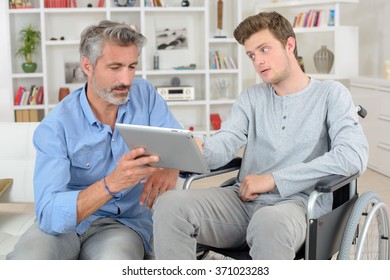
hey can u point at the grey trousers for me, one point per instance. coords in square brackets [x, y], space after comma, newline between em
[106, 239]
[218, 218]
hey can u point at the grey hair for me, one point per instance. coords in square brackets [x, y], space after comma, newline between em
[94, 36]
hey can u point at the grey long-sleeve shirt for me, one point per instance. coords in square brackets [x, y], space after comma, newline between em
[298, 138]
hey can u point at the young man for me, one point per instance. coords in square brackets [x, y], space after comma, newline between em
[92, 195]
[295, 130]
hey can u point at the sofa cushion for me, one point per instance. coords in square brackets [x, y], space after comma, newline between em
[17, 159]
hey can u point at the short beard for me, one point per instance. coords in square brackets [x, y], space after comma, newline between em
[283, 75]
[106, 94]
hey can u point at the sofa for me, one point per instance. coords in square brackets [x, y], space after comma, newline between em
[17, 158]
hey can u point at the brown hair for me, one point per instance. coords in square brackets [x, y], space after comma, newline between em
[278, 25]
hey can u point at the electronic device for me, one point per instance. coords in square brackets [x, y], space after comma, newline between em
[176, 148]
[171, 93]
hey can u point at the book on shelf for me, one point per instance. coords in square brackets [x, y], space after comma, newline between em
[33, 96]
[315, 18]
[25, 98]
[35, 115]
[216, 121]
[19, 95]
[32, 115]
[26, 115]
[101, 4]
[155, 3]
[18, 4]
[221, 61]
[40, 95]
[58, 3]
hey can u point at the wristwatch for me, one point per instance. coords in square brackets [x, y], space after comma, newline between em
[124, 3]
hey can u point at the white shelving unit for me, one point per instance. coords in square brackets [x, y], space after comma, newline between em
[341, 39]
[200, 21]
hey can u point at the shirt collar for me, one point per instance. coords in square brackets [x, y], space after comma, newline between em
[87, 110]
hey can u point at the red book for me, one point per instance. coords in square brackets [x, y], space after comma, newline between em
[19, 95]
[215, 121]
[40, 95]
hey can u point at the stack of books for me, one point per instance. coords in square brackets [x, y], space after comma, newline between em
[32, 96]
[221, 61]
[315, 18]
[67, 4]
[20, 4]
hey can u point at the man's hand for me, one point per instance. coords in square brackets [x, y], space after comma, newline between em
[254, 185]
[157, 184]
[132, 168]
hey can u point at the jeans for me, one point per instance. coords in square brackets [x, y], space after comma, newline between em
[106, 239]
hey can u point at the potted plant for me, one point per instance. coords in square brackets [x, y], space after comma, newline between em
[30, 38]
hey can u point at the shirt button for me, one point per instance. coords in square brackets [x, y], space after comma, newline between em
[283, 127]
[112, 139]
[284, 117]
[88, 165]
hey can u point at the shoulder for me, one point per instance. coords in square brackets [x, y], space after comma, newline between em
[67, 111]
[261, 90]
[329, 85]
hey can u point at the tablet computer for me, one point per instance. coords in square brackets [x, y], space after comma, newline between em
[176, 148]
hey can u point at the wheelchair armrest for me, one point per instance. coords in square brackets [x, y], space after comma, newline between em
[332, 183]
[233, 165]
[362, 112]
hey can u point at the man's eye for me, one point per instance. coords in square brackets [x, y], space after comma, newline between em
[251, 56]
[115, 68]
[265, 50]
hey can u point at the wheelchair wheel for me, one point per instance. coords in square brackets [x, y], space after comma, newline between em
[366, 235]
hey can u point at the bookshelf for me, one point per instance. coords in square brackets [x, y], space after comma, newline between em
[61, 27]
[342, 40]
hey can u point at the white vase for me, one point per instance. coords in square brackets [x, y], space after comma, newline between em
[323, 60]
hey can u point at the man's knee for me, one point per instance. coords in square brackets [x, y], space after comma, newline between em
[34, 244]
[171, 204]
[276, 233]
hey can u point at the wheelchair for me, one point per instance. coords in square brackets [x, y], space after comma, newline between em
[357, 227]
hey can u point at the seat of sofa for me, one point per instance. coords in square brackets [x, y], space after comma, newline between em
[15, 219]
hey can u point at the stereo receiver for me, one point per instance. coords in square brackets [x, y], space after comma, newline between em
[170, 93]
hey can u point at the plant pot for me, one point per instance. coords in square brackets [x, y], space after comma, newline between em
[29, 67]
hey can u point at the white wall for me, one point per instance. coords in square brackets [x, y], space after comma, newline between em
[370, 15]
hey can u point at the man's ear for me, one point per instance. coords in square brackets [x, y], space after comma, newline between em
[86, 65]
[290, 45]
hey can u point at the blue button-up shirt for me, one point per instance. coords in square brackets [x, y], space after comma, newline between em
[74, 150]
